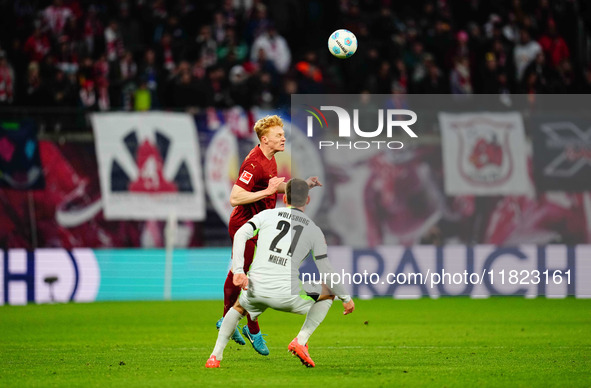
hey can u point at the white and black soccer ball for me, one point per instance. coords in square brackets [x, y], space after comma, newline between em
[342, 43]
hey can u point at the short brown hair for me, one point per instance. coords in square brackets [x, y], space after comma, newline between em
[297, 192]
[262, 126]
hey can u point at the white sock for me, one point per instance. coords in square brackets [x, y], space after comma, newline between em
[314, 318]
[229, 324]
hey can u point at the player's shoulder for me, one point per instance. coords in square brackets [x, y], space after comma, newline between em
[269, 213]
[253, 157]
[301, 218]
[314, 229]
[252, 167]
[304, 218]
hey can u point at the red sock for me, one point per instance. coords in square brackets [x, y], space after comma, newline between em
[253, 326]
[231, 292]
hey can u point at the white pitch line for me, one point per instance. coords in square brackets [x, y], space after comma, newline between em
[390, 347]
[443, 347]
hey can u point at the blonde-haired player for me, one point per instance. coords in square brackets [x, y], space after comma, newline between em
[254, 191]
[286, 238]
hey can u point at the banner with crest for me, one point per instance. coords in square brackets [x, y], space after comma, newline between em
[149, 165]
[484, 154]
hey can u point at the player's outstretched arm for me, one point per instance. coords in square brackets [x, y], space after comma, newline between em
[242, 235]
[349, 307]
[313, 182]
[239, 196]
[326, 271]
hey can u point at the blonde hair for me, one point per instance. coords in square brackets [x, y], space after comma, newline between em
[262, 126]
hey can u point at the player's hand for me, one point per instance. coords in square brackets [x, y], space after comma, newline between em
[240, 280]
[349, 306]
[313, 182]
[274, 184]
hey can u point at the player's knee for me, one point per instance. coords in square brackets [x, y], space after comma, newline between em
[239, 308]
[326, 297]
[326, 293]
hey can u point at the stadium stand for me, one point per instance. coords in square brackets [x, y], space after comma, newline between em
[141, 55]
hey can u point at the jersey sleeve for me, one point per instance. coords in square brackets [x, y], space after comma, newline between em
[320, 250]
[246, 232]
[256, 222]
[248, 176]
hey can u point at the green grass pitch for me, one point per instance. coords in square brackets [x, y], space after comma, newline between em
[385, 342]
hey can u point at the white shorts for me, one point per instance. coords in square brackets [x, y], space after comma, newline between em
[256, 305]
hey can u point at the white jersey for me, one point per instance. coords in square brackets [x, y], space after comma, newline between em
[286, 236]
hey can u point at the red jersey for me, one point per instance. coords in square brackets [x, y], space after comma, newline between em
[254, 175]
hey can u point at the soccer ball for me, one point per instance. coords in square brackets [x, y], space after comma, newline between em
[342, 44]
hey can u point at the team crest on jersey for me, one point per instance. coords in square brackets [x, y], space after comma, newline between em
[246, 177]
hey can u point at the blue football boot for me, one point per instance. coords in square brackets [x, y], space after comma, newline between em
[258, 342]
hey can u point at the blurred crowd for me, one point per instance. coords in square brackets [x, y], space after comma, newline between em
[157, 54]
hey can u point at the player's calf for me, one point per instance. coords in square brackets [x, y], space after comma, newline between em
[229, 325]
[236, 337]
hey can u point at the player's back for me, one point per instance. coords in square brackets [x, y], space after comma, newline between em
[285, 238]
